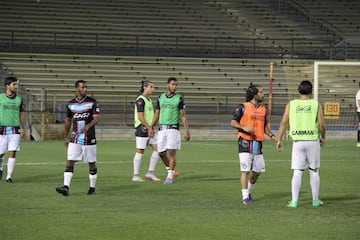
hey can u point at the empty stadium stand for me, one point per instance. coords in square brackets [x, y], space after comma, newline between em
[215, 49]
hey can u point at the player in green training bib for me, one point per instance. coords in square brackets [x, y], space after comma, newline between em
[307, 130]
[144, 133]
[170, 110]
[12, 117]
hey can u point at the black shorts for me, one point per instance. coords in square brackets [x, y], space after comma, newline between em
[141, 131]
[250, 146]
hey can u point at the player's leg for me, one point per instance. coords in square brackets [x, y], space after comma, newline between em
[245, 166]
[74, 154]
[298, 164]
[257, 168]
[173, 143]
[153, 161]
[3, 150]
[90, 157]
[313, 155]
[161, 145]
[141, 143]
[13, 147]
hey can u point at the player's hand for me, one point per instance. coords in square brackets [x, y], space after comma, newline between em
[279, 145]
[151, 132]
[66, 142]
[187, 135]
[248, 129]
[84, 129]
[322, 142]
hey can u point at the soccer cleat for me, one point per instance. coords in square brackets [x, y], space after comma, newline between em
[317, 203]
[168, 181]
[247, 201]
[292, 204]
[137, 179]
[9, 180]
[250, 197]
[63, 190]
[175, 175]
[358, 145]
[152, 177]
[91, 191]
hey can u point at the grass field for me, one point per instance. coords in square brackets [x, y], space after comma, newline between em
[204, 202]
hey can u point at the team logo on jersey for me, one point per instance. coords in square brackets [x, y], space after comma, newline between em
[303, 109]
[78, 116]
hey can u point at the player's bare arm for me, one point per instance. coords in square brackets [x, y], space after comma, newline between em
[185, 124]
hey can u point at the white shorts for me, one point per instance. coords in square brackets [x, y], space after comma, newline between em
[252, 162]
[9, 143]
[305, 154]
[142, 142]
[169, 139]
[77, 152]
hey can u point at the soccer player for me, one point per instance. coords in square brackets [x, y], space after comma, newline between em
[12, 115]
[357, 99]
[251, 121]
[144, 134]
[170, 110]
[84, 113]
[307, 130]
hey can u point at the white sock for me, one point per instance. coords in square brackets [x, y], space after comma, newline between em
[250, 186]
[296, 185]
[170, 174]
[315, 184]
[10, 167]
[92, 179]
[245, 193]
[67, 178]
[153, 161]
[136, 163]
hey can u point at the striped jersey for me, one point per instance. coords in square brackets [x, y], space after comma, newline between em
[82, 112]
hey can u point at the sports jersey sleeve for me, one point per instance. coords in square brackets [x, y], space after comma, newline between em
[69, 113]
[140, 104]
[239, 110]
[96, 109]
[182, 103]
[158, 103]
[21, 108]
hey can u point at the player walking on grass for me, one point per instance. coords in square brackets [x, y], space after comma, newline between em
[307, 130]
[170, 110]
[144, 134]
[84, 113]
[250, 120]
[12, 116]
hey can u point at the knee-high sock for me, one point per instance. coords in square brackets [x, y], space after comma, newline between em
[153, 161]
[296, 184]
[92, 179]
[315, 184]
[67, 178]
[136, 163]
[10, 167]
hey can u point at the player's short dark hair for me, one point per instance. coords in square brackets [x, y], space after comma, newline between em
[144, 84]
[9, 80]
[251, 91]
[77, 83]
[305, 87]
[171, 79]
